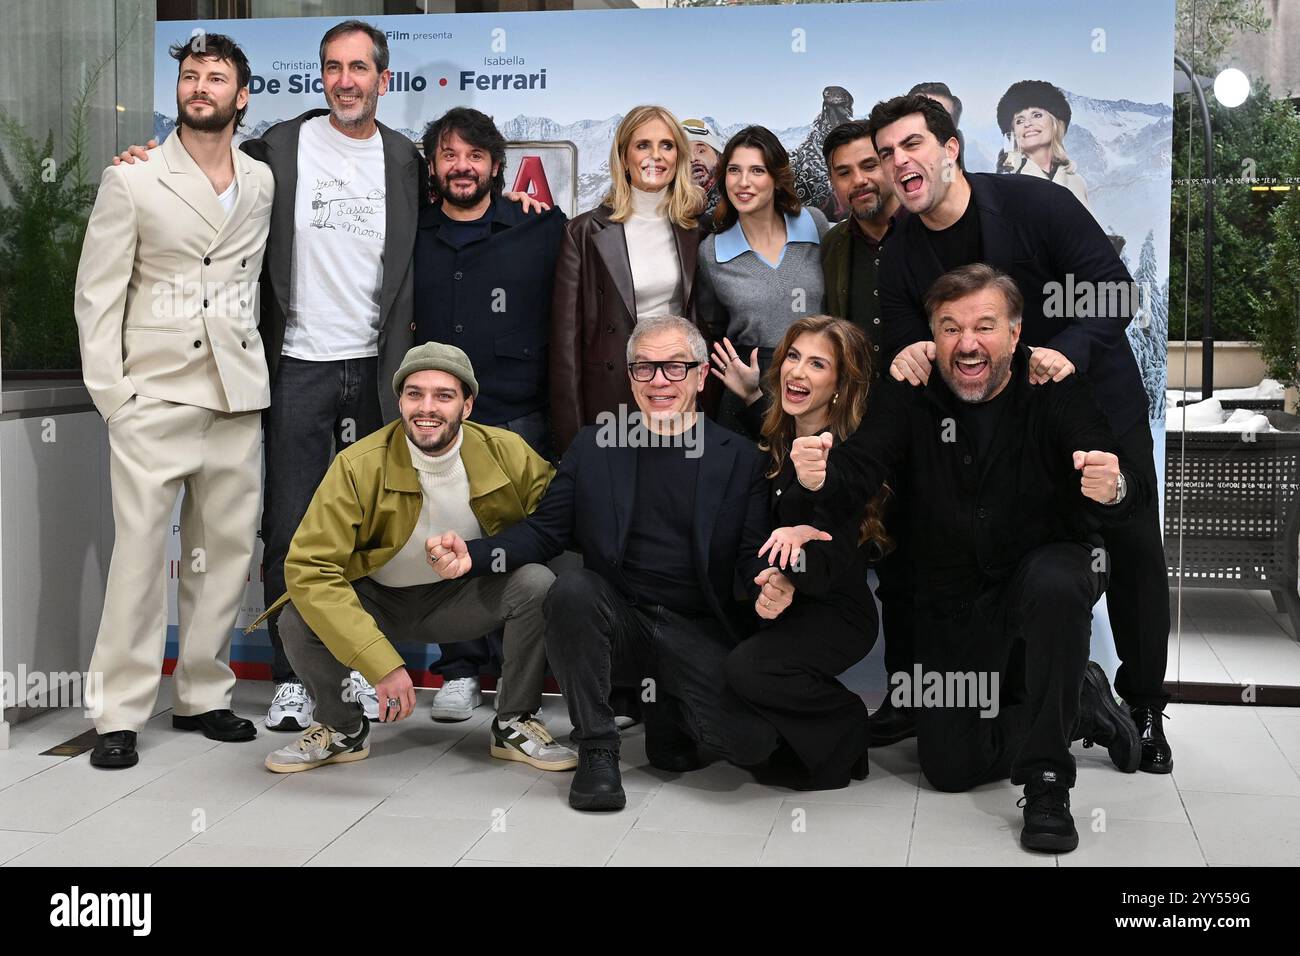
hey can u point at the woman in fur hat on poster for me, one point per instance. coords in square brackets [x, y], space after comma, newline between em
[1034, 114]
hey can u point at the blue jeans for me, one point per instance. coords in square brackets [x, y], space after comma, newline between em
[316, 408]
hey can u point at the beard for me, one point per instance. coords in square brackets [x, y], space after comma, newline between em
[434, 446]
[975, 392]
[875, 204]
[481, 188]
[368, 107]
[213, 122]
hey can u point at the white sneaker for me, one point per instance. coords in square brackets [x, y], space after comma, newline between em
[364, 694]
[320, 745]
[291, 708]
[456, 700]
[526, 739]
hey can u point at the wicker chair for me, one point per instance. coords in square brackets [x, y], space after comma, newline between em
[1232, 511]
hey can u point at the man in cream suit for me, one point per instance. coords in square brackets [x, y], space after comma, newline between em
[166, 306]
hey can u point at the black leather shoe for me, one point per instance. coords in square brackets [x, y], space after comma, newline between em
[218, 725]
[1049, 827]
[114, 751]
[1156, 755]
[890, 724]
[1103, 721]
[597, 784]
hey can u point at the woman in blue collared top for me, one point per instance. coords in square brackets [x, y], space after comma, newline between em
[761, 269]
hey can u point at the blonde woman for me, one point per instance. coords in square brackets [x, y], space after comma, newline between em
[631, 257]
[1035, 115]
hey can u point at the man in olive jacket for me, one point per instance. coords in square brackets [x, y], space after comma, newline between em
[359, 579]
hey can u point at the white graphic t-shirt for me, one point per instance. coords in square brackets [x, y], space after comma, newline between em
[338, 245]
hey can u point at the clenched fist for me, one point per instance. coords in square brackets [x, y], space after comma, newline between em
[1100, 480]
[448, 555]
[776, 595]
[808, 455]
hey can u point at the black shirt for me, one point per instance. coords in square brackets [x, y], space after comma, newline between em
[460, 233]
[864, 294]
[658, 560]
[980, 419]
[961, 243]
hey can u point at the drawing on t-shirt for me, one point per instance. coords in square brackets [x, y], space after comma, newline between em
[352, 214]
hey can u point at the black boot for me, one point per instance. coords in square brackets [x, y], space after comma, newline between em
[890, 724]
[115, 750]
[1156, 755]
[223, 725]
[597, 785]
[667, 746]
[1103, 721]
[1049, 827]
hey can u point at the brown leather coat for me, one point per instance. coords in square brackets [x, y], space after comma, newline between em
[592, 314]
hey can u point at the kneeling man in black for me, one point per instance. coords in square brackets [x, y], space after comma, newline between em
[669, 510]
[1008, 485]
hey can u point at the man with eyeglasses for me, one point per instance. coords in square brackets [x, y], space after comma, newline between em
[669, 510]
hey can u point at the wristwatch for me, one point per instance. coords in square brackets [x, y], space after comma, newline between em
[1121, 489]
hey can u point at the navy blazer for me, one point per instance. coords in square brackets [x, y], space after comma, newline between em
[589, 504]
[1037, 232]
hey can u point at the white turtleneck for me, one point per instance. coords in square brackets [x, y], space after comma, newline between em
[652, 251]
[446, 508]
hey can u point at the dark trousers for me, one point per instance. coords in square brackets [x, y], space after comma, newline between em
[470, 658]
[787, 673]
[315, 408]
[449, 610]
[596, 639]
[1137, 592]
[1032, 632]
[896, 592]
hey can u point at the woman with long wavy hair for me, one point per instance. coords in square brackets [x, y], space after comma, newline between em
[630, 258]
[818, 383]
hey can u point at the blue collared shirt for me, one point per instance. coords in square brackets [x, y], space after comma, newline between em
[732, 243]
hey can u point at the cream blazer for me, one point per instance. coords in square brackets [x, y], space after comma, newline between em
[167, 286]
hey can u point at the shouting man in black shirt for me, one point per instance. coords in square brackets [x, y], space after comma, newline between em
[1007, 486]
[1038, 233]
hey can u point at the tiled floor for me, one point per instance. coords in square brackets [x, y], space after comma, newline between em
[1232, 637]
[431, 795]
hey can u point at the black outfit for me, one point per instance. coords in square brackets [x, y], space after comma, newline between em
[788, 670]
[1002, 548]
[1039, 234]
[485, 287]
[596, 636]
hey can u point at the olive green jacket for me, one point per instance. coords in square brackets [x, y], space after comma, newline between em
[835, 269]
[364, 511]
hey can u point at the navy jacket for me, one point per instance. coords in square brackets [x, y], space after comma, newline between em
[492, 298]
[1037, 232]
[589, 504]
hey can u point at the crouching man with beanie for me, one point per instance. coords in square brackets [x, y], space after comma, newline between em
[358, 580]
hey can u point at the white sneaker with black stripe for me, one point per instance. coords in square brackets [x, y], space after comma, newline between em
[526, 739]
[318, 746]
[364, 694]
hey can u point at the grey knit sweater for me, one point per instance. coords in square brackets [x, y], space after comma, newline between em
[748, 300]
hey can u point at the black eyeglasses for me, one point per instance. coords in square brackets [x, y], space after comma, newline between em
[673, 371]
